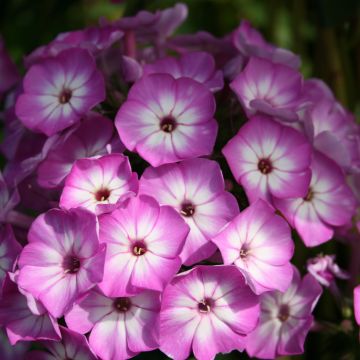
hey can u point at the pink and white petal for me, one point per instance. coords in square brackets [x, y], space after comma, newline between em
[310, 227]
[203, 180]
[191, 141]
[121, 264]
[263, 341]
[168, 235]
[91, 309]
[38, 254]
[177, 330]
[289, 185]
[266, 277]
[256, 186]
[197, 246]
[142, 327]
[108, 338]
[293, 334]
[165, 183]
[115, 230]
[154, 272]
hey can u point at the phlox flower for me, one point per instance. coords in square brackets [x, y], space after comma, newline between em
[144, 241]
[95, 136]
[357, 304]
[121, 327]
[59, 90]
[329, 203]
[9, 250]
[63, 259]
[100, 181]
[259, 243]
[199, 66]
[269, 159]
[250, 42]
[93, 39]
[269, 88]
[285, 319]
[166, 120]
[71, 346]
[325, 270]
[23, 317]
[195, 189]
[208, 309]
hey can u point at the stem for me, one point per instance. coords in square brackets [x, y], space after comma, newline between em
[18, 219]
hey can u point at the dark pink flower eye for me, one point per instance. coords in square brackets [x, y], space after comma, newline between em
[122, 304]
[71, 264]
[168, 124]
[102, 195]
[264, 165]
[139, 248]
[204, 306]
[65, 96]
[284, 312]
[187, 209]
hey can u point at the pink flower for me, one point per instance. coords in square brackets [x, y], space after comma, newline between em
[94, 137]
[269, 159]
[71, 346]
[285, 319]
[120, 327]
[199, 66]
[209, 310]
[166, 120]
[96, 182]
[328, 203]
[272, 89]
[9, 251]
[93, 39]
[143, 241]
[58, 91]
[251, 43]
[332, 130]
[63, 259]
[325, 270]
[195, 189]
[357, 304]
[259, 243]
[23, 317]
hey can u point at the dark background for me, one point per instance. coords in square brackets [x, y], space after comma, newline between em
[326, 33]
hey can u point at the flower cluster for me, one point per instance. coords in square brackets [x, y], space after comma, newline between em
[141, 238]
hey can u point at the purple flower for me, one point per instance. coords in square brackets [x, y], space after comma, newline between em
[328, 203]
[94, 137]
[63, 259]
[269, 159]
[209, 310]
[12, 352]
[259, 243]
[93, 39]
[357, 304]
[9, 251]
[9, 74]
[9, 198]
[120, 327]
[325, 270]
[195, 189]
[251, 43]
[272, 89]
[144, 241]
[285, 319]
[92, 183]
[333, 131]
[71, 346]
[166, 120]
[23, 317]
[199, 66]
[59, 90]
